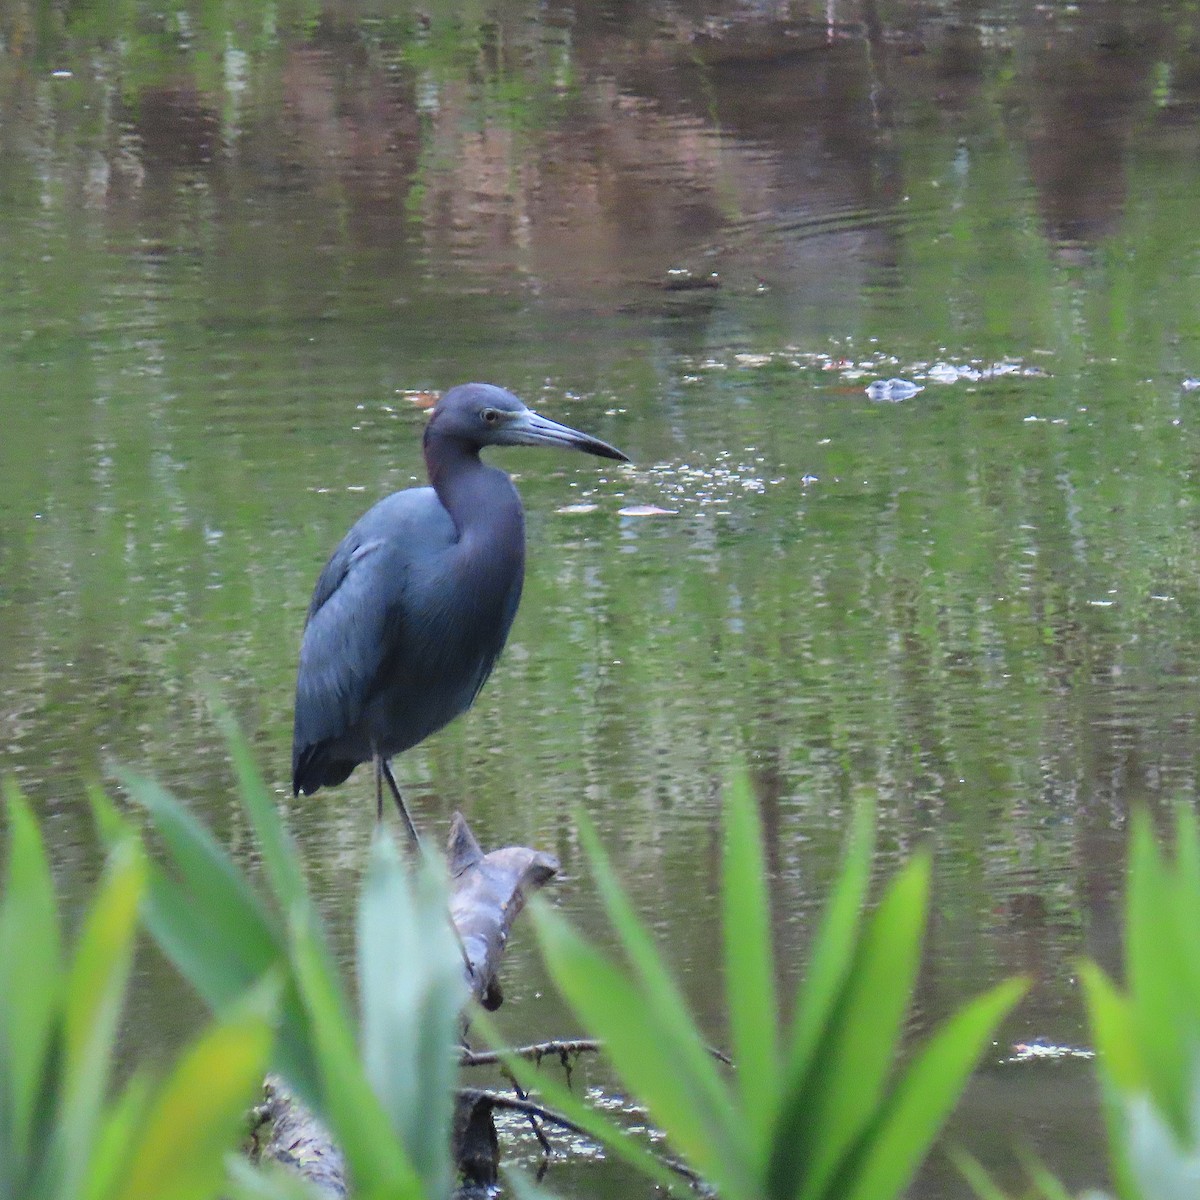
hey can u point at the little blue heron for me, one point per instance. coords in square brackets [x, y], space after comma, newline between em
[414, 606]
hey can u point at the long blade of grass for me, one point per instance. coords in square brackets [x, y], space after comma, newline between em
[1113, 1034]
[833, 947]
[30, 976]
[749, 964]
[822, 1120]
[268, 1182]
[194, 1120]
[211, 893]
[1186, 901]
[123, 1120]
[279, 853]
[411, 991]
[1047, 1185]
[214, 887]
[281, 858]
[915, 1112]
[976, 1175]
[1156, 982]
[642, 1046]
[663, 1004]
[94, 993]
[220, 968]
[523, 1188]
[1122, 1069]
[350, 1107]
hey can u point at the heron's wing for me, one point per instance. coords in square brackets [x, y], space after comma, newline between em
[355, 620]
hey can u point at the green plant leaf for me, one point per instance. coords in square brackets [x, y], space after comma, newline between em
[279, 853]
[1186, 904]
[833, 947]
[976, 1175]
[1047, 1185]
[411, 988]
[1111, 1019]
[822, 1120]
[111, 825]
[208, 883]
[925, 1095]
[220, 972]
[193, 1121]
[749, 965]
[94, 994]
[354, 1114]
[1156, 983]
[643, 1049]
[661, 1005]
[1120, 1066]
[211, 893]
[30, 978]
[268, 1182]
[119, 1129]
[523, 1188]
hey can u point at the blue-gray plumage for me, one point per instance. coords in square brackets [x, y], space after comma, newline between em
[414, 606]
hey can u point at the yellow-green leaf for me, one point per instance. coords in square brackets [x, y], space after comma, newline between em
[195, 1118]
[30, 968]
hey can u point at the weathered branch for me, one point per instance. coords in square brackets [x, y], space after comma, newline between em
[559, 1048]
[487, 893]
[539, 1050]
[286, 1132]
[539, 1112]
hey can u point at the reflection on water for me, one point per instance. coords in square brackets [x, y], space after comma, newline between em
[235, 253]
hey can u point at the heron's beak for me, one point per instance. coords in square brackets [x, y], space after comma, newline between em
[530, 429]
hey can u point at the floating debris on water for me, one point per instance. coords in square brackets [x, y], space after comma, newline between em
[852, 367]
[893, 390]
[577, 508]
[645, 510]
[943, 372]
[1190, 384]
[682, 279]
[716, 484]
[1040, 1051]
[419, 398]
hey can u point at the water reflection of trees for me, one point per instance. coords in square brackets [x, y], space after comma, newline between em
[581, 151]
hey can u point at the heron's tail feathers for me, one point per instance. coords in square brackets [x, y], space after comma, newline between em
[315, 767]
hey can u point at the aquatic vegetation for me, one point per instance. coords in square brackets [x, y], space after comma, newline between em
[818, 1105]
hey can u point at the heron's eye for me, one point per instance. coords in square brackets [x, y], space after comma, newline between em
[490, 416]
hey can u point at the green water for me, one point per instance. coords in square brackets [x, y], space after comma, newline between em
[237, 241]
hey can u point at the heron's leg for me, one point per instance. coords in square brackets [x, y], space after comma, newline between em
[383, 769]
[391, 782]
[378, 790]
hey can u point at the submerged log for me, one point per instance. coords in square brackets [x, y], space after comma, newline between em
[487, 893]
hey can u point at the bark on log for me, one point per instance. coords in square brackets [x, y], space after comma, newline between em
[487, 893]
[287, 1133]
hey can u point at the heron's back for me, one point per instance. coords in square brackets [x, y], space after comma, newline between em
[406, 623]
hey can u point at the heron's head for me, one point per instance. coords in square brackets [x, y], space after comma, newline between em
[482, 414]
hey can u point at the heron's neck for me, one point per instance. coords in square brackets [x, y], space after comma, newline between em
[477, 497]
